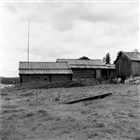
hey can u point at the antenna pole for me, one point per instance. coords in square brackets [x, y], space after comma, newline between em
[28, 43]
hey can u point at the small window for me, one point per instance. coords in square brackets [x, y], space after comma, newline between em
[45, 79]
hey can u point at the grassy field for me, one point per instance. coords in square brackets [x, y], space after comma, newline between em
[41, 114]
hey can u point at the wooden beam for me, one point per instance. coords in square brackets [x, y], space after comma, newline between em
[89, 98]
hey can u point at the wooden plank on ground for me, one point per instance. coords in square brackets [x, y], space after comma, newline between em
[89, 98]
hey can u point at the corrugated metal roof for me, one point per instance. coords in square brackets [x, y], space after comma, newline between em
[44, 68]
[132, 56]
[92, 63]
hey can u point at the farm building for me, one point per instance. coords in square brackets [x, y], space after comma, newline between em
[44, 72]
[127, 64]
[89, 68]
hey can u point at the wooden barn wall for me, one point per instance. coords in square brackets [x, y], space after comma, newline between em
[108, 72]
[112, 72]
[136, 68]
[91, 73]
[27, 78]
[123, 66]
[83, 73]
[43, 78]
[98, 73]
[61, 78]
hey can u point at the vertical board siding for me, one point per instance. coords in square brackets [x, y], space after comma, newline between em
[123, 66]
[136, 68]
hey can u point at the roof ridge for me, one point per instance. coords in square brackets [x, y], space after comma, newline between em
[39, 62]
[77, 59]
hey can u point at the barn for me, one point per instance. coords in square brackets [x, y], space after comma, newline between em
[89, 68]
[127, 64]
[44, 72]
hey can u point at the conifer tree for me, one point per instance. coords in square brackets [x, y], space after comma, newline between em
[107, 58]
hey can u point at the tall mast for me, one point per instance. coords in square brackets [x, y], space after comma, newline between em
[28, 43]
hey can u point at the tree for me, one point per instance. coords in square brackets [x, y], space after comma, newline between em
[136, 51]
[107, 58]
[118, 54]
[84, 58]
[104, 59]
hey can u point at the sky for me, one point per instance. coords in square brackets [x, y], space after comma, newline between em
[66, 30]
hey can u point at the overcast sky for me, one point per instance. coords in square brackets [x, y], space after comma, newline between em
[67, 30]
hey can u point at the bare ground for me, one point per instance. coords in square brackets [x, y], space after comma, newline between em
[41, 114]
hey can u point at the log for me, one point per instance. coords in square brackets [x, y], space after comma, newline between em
[89, 98]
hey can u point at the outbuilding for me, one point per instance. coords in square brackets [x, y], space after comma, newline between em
[44, 72]
[89, 68]
[127, 64]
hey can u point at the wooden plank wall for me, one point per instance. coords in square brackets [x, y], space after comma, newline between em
[106, 73]
[136, 68]
[112, 72]
[98, 73]
[34, 78]
[60, 78]
[83, 73]
[91, 73]
[123, 66]
[44, 78]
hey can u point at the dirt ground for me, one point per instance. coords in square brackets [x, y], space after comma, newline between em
[41, 114]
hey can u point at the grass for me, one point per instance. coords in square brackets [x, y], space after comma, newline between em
[114, 117]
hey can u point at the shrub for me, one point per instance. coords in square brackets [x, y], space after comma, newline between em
[137, 138]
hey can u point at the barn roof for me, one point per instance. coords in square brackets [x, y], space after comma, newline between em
[92, 63]
[133, 56]
[44, 68]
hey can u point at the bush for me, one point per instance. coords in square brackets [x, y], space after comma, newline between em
[62, 84]
[74, 84]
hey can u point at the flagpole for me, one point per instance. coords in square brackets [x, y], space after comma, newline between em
[28, 43]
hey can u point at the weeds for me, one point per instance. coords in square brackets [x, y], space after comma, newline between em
[11, 111]
[9, 106]
[101, 125]
[41, 111]
[28, 115]
[131, 115]
[137, 138]
[27, 94]
[92, 135]
[7, 98]
[61, 84]
[56, 99]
